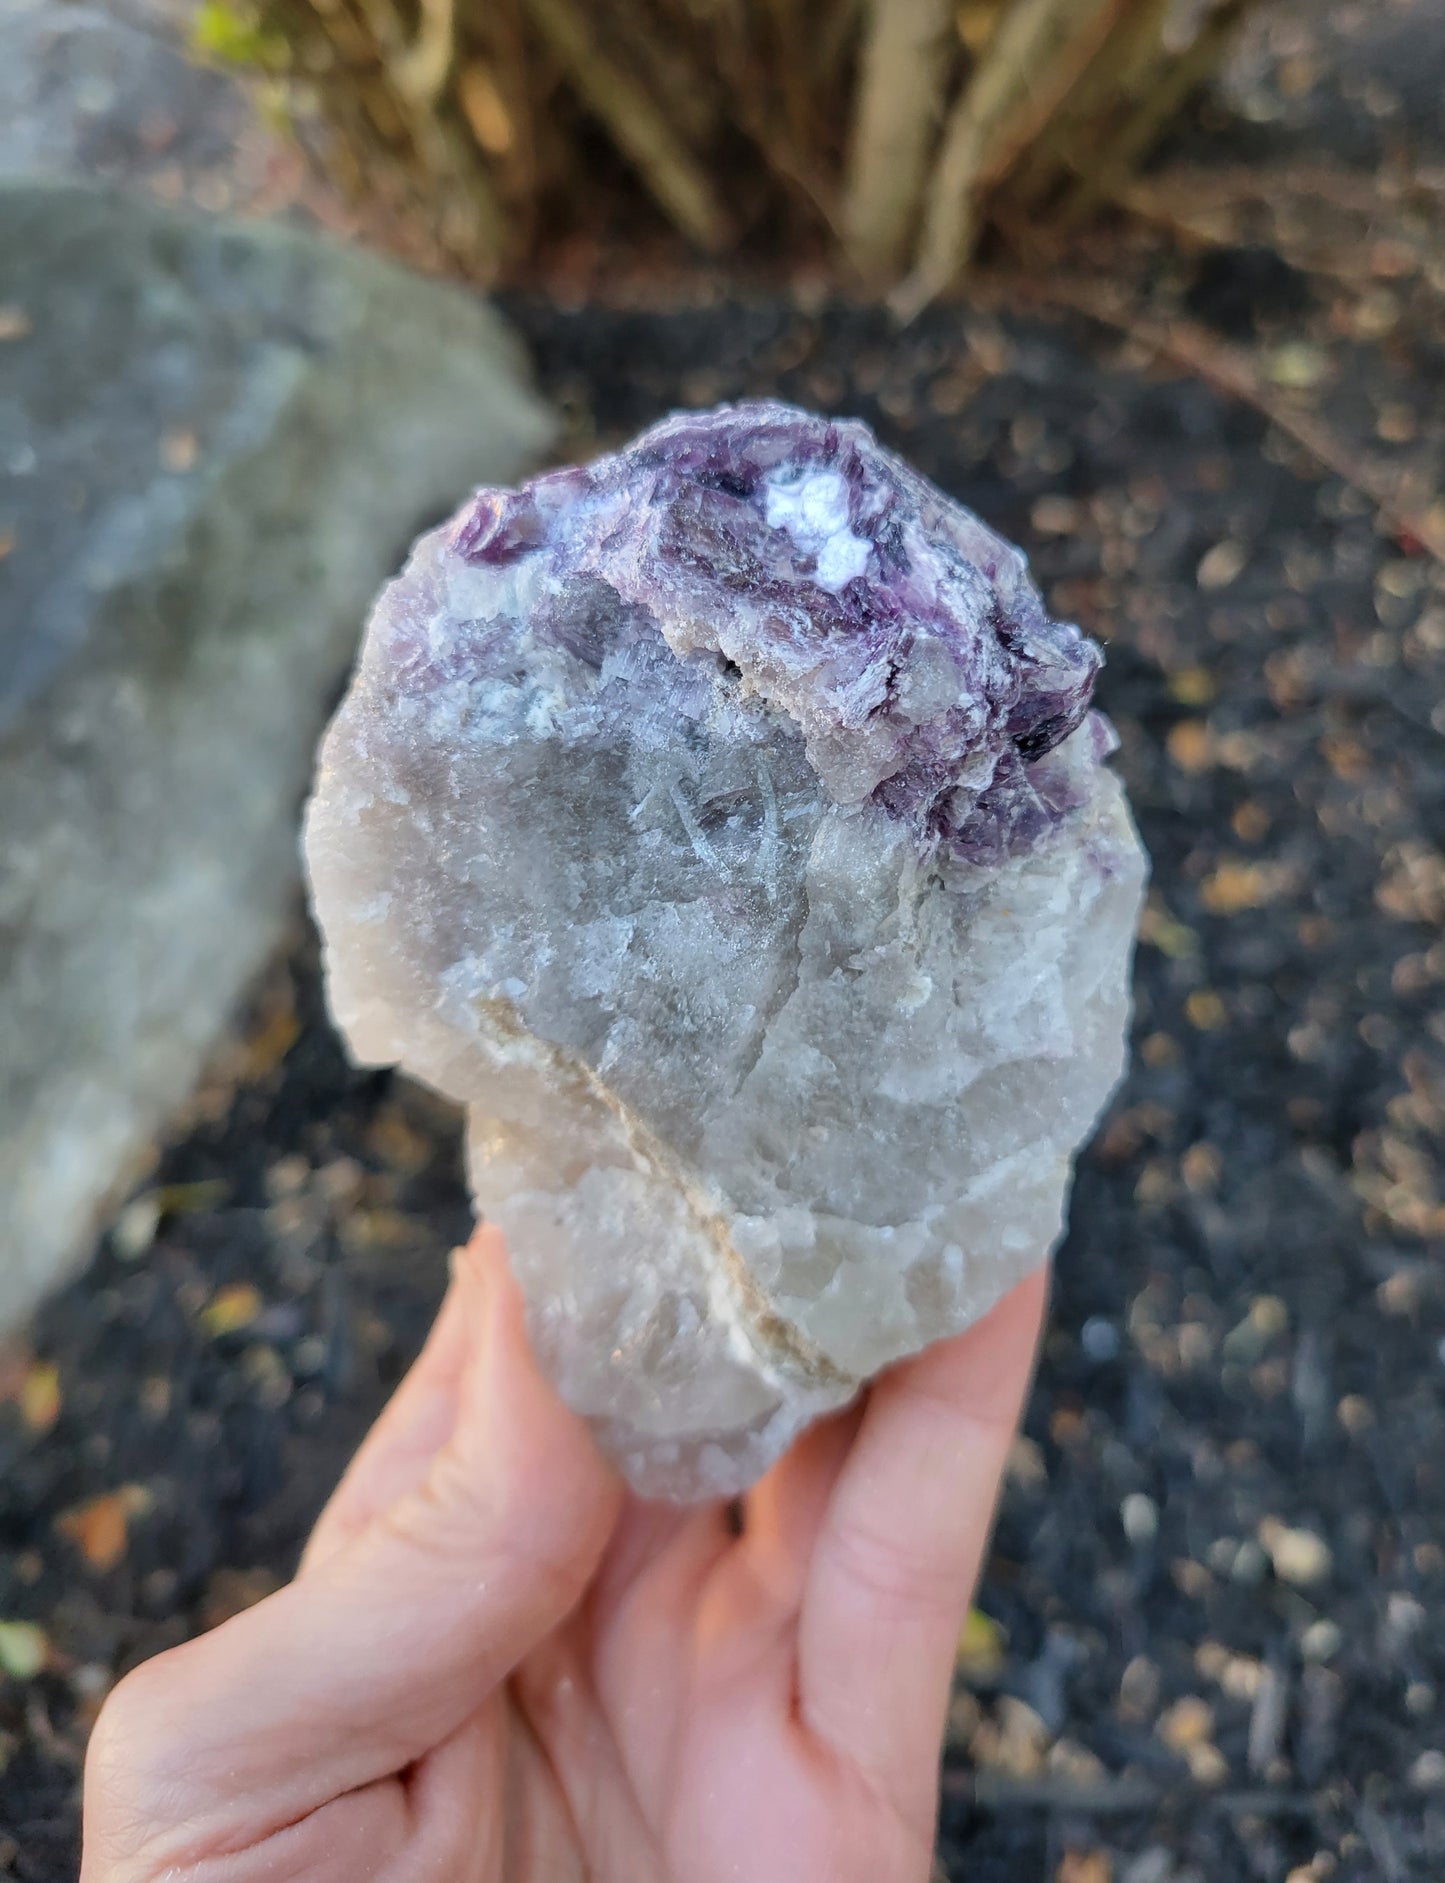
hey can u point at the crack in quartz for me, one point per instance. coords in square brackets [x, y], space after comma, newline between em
[774, 1340]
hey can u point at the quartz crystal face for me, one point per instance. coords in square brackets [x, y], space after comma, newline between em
[726, 826]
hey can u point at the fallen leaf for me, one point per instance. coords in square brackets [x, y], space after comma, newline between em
[980, 1647]
[230, 1309]
[40, 1396]
[1190, 745]
[1161, 929]
[1056, 516]
[190, 1199]
[1085, 1866]
[24, 1649]
[1193, 686]
[230, 1591]
[485, 109]
[1205, 1010]
[1013, 1740]
[100, 1527]
[1297, 365]
[270, 1043]
[1237, 885]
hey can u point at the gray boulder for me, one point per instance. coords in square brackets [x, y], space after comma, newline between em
[215, 441]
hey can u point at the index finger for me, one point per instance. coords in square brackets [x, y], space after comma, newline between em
[900, 1547]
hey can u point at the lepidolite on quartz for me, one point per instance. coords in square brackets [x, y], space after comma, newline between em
[726, 826]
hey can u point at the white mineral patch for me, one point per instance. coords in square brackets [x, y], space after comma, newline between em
[812, 507]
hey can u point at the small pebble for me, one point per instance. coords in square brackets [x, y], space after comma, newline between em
[1299, 1556]
[1188, 1722]
[1221, 565]
[1013, 1740]
[1085, 1866]
[1100, 1339]
[1139, 1688]
[24, 1649]
[1069, 1760]
[1139, 1515]
[134, 1230]
[1250, 1563]
[1207, 1764]
[1428, 1771]
[1321, 1641]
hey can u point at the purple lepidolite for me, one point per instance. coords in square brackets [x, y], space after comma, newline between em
[726, 826]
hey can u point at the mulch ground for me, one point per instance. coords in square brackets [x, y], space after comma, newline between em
[1210, 1643]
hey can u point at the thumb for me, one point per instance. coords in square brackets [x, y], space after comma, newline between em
[390, 1642]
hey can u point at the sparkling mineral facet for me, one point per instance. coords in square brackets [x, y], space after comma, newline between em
[726, 826]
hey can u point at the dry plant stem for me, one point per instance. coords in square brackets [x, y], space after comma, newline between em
[660, 45]
[832, 43]
[735, 53]
[1037, 52]
[1170, 91]
[674, 177]
[905, 66]
[391, 147]
[736, 57]
[1232, 372]
[1204, 188]
[1188, 224]
[1119, 74]
[785, 23]
[421, 73]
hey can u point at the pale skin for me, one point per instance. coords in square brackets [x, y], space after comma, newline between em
[495, 1666]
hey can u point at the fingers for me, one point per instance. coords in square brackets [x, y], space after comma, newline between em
[391, 1642]
[899, 1550]
[786, 1509]
[417, 1421]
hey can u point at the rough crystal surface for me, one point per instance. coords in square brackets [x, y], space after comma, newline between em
[726, 825]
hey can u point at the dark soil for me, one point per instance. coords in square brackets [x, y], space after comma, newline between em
[1218, 1583]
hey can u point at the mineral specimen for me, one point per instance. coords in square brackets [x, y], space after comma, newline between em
[725, 824]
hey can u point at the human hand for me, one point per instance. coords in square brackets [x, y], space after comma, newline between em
[494, 1666]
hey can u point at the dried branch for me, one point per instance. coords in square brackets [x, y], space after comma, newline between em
[742, 71]
[676, 180]
[420, 74]
[389, 145]
[1037, 52]
[836, 32]
[1118, 75]
[905, 66]
[467, 116]
[1231, 371]
[790, 63]
[1170, 91]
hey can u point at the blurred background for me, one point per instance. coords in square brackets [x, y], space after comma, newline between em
[1158, 287]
